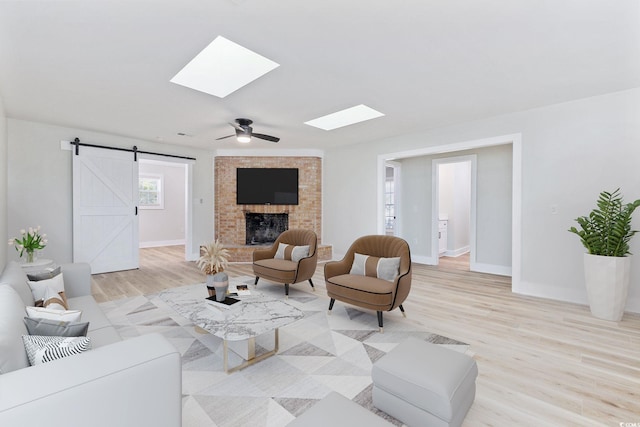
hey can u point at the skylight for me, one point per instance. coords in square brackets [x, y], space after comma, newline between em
[357, 114]
[222, 68]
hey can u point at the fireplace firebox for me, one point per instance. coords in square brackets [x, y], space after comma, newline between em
[264, 228]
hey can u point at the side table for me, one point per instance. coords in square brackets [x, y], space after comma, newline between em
[40, 264]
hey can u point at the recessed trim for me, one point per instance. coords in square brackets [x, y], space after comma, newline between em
[349, 116]
[223, 67]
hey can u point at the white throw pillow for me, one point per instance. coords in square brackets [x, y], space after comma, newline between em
[59, 315]
[299, 252]
[42, 349]
[54, 300]
[382, 268]
[292, 253]
[280, 252]
[55, 284]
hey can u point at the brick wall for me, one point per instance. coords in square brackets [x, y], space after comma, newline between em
[229, 217]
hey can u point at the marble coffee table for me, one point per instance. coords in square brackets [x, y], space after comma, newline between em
[239, 324]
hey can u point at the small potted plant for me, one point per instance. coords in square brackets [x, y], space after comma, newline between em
[29, 242]
[606, 233]
[213, 260]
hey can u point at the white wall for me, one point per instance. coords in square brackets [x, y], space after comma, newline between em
[162, 227]
[39, 182]
[570, 152]
[3, 187]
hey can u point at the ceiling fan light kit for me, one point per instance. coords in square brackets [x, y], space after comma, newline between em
[243, 137]
[244, 132]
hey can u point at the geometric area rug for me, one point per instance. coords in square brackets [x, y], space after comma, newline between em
[317, 354]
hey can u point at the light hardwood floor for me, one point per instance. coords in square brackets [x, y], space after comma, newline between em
[455, 263]
[541, 362]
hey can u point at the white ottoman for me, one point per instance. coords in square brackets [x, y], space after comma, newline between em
[423, 384]
[335, 410]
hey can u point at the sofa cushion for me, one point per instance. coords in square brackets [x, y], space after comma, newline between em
[371, 266]
[42, 349]
[90, 312]
[12, 353]
[17, 278]
[377, 293]
[100, 329]
[276, 269]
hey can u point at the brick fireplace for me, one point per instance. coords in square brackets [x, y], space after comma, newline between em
[230, 218]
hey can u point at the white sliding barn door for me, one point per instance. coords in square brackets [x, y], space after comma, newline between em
[105, 220]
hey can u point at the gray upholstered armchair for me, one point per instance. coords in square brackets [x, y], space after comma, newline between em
[292, 259]
[379, 279]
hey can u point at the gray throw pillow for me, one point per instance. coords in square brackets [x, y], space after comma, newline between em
[54, 328]
[43, 275]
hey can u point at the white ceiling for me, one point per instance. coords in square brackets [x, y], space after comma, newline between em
[105, 65]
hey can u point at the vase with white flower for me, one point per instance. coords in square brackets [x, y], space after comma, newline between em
[213, 260]
[29, 242]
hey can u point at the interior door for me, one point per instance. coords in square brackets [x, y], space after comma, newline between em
[105, 213]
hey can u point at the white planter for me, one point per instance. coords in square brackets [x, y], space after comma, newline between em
[607, 281]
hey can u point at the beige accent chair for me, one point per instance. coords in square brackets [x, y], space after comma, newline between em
[287, 271]
[366, 291]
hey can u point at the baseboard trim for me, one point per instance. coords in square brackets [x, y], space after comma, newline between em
[457, 252]
[420, 259]
[158, 243]
[575, 296]
[500, 270]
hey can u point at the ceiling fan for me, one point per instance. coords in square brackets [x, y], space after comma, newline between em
[244, 132]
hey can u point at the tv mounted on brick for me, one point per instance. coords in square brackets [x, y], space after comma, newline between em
[267, 186]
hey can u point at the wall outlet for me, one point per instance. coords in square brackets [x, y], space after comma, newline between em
[554, 209]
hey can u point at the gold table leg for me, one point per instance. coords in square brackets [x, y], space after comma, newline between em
[252, 353]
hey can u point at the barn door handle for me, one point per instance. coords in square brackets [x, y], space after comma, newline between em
[136, 211]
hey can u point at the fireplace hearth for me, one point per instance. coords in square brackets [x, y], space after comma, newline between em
[264, 228]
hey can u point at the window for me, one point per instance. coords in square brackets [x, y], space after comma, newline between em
[151, 191]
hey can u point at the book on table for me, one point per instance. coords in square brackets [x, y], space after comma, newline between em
[243, 289]
[239, 289]
[228, 302]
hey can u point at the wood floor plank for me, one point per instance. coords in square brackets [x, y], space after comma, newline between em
[541, 362]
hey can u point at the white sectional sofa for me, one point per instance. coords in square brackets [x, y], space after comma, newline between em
[136, 382]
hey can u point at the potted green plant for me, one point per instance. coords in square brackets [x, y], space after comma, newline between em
[29, 242]
[213, 260]
[606, 233]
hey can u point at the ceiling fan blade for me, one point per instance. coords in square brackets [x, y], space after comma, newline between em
[266, 137]
[224, 137]
[236, 125]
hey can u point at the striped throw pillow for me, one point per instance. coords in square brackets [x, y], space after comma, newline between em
[292, 253]
[382, 268]
[41, 349]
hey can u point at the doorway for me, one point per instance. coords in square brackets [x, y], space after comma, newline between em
[454, 189]
[391, 198]
[164, 205]
[499, 236]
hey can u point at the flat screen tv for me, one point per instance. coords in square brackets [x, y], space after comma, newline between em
[267, 186]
